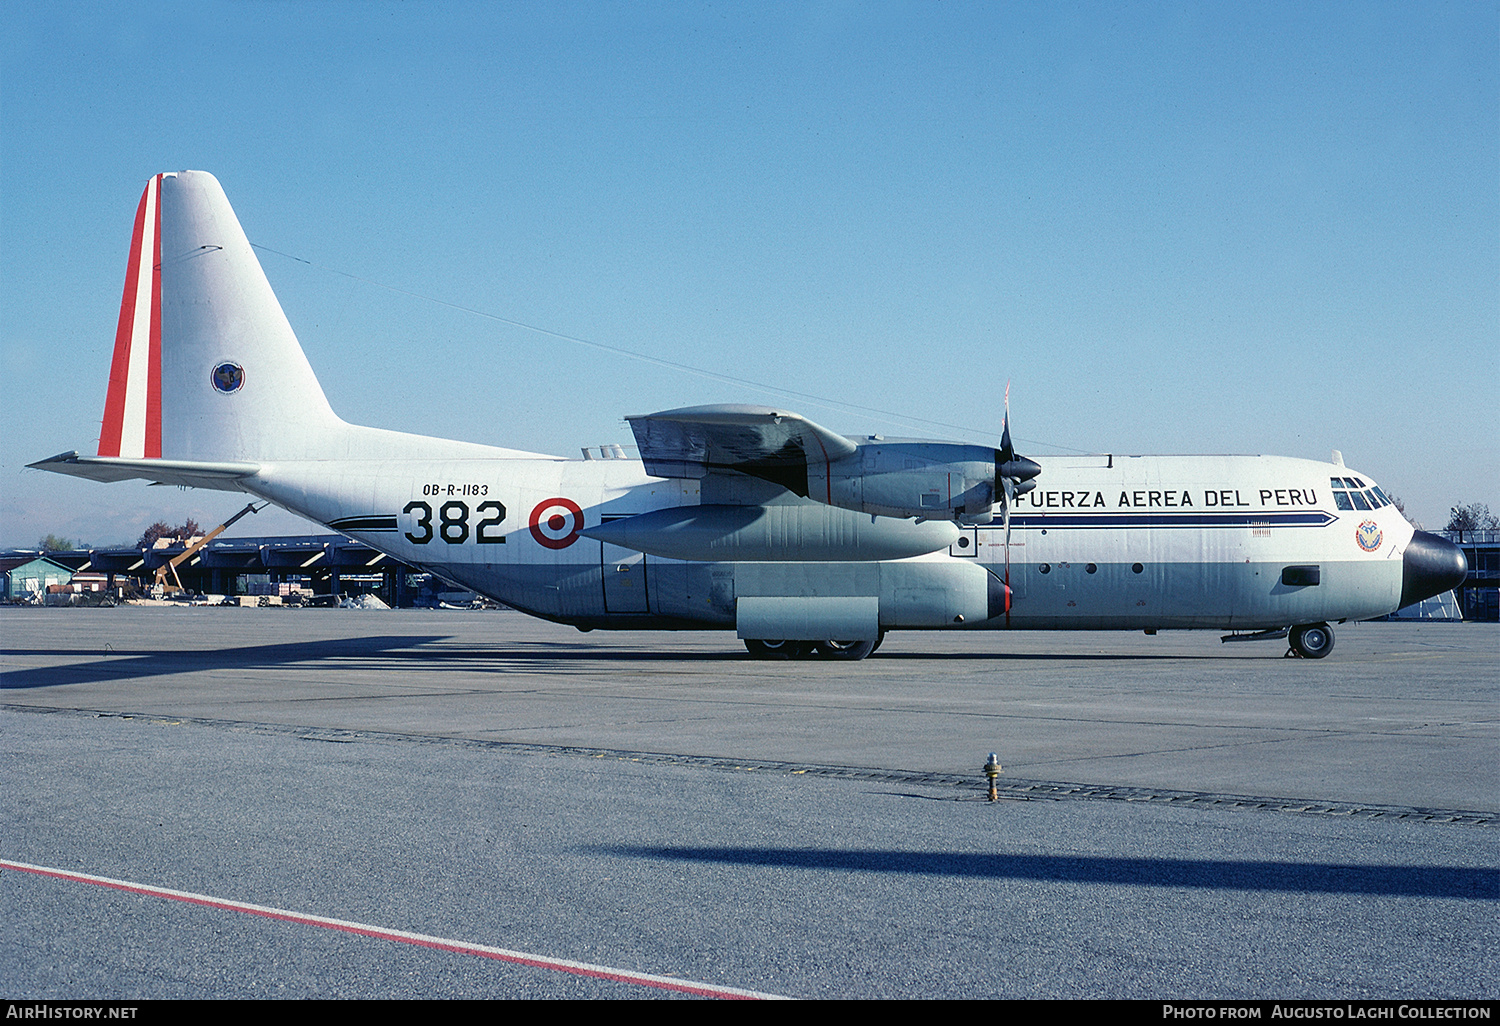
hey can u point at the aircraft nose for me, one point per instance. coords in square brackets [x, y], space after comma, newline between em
[1431, 566]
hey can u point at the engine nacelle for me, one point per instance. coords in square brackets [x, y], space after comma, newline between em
[930, 480]
[899, 478]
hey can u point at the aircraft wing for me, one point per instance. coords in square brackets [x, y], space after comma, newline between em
[186, 473]
[770, 444]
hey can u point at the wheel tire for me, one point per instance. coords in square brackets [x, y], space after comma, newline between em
[1312, 640]
[775, 649]
[848, 651]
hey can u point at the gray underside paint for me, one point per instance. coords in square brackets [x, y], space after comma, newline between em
[929, 595]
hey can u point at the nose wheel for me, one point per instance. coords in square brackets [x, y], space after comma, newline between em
[1310, 640]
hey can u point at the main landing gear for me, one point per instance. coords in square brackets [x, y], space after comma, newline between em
[842, 650]
[1310, 640]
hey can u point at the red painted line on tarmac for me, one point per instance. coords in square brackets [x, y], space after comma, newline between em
[402, 936]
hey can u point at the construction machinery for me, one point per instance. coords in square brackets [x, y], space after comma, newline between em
[161, 587]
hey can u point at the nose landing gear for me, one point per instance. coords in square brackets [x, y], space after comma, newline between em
[1310, 640]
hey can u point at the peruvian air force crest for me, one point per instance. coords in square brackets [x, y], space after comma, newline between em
[1368, 535]
[228, 377]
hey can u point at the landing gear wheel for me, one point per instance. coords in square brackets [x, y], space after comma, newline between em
[845, 650]
[776, 649]
[1312, 640]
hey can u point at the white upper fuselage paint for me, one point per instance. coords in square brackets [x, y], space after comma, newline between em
[1107, 541]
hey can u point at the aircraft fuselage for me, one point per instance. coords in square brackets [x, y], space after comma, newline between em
[1106, 542]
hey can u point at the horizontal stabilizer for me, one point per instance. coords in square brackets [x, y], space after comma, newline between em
[185, 473]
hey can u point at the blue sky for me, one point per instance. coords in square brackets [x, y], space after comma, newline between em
[1173, 227]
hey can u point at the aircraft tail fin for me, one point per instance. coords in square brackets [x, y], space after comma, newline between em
[206, 366]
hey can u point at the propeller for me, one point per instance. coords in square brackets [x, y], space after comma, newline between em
[1014, 475]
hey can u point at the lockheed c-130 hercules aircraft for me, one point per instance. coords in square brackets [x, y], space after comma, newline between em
[803, 541]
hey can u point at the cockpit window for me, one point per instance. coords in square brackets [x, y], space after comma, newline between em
[1348, 494]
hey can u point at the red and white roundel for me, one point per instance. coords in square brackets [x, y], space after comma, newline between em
[555, 523]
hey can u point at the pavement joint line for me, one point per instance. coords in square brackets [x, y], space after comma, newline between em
[1013, 786]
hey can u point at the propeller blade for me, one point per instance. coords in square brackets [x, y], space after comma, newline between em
[1010, 467]
[1010, 500]
[1009, 496]
[1013, 476]
[1007, 452]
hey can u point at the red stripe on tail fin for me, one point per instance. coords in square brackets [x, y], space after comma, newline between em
[119, 368]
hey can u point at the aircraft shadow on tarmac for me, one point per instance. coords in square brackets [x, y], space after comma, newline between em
[381, 650]
[126, 665]
[1236, 875]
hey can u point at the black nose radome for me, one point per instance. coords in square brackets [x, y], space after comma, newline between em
[1431, 566]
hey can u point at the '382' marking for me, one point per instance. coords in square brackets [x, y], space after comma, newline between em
[453, 522]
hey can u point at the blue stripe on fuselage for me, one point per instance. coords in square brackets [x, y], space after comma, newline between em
[1197, 520]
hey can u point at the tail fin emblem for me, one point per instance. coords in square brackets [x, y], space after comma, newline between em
[228, 377]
